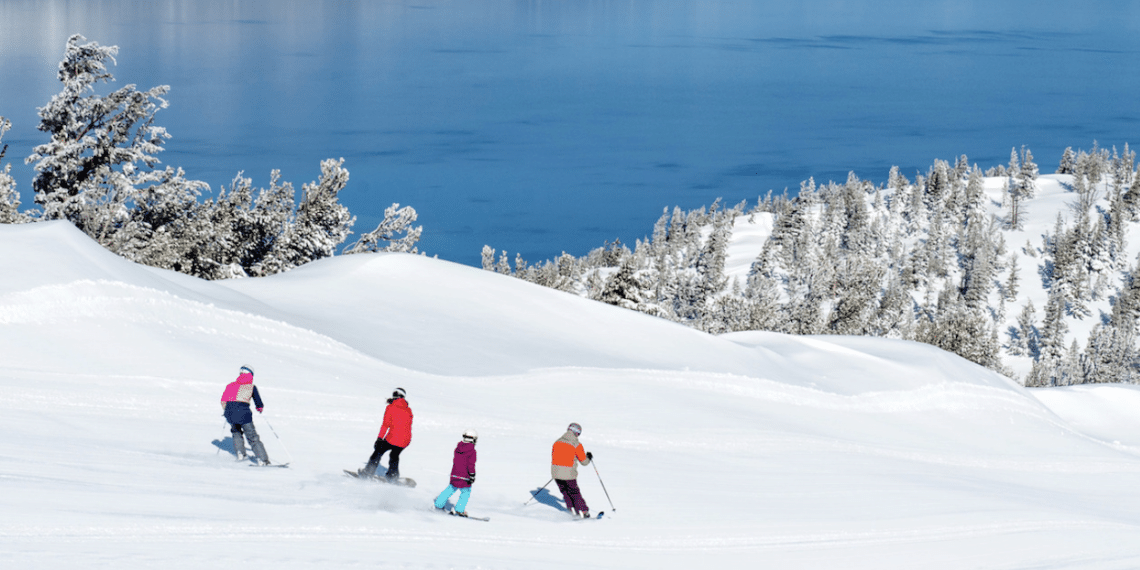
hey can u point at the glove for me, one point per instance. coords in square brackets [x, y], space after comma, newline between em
[471, 479]
[589, 456]
[259, 410]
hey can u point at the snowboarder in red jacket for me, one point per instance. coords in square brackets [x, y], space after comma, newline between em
[395, 435]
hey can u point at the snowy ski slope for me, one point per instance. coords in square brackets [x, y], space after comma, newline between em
[743, 451]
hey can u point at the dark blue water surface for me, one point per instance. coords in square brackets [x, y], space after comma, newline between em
[553, 125]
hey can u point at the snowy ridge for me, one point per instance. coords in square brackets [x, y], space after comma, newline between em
[820, 452]
[109, 300]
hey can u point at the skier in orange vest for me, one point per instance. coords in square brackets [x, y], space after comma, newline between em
[565, 456]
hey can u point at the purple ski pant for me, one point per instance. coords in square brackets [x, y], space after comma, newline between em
[572, 496]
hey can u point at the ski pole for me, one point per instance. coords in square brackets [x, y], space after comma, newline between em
[225, 425]
[286, 448]
[534, 495]
[612, 507]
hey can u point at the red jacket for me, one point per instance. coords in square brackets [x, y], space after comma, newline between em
[397, 426]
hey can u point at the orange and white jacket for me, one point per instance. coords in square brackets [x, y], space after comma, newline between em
[565, 456]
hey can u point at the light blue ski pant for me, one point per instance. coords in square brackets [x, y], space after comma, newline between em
[461, 506]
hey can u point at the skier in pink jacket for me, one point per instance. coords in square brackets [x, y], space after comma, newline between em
[235, 406]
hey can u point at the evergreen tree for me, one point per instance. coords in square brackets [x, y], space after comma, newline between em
[504, 265]
[1068, 163]
[160, 231]
[764, 310]
[895, 317]
[1027, 174]
[1011, 282]
[387, 235]
[488, 257]
[857, 289]
[9, 197]
[1052, 339]
[956, 328]
[710, 264]
[623, 288]
[1131, 199]
[1025, 338]
[321, 222]
[101, 148]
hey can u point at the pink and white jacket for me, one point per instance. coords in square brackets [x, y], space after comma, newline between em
[236, 398]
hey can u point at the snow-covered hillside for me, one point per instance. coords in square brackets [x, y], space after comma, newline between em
[741, 451]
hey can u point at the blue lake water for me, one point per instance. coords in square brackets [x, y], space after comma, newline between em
[547, 126]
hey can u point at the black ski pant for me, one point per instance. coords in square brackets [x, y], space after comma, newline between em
[393, 458]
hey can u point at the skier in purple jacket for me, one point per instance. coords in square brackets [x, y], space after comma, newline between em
[462, 474]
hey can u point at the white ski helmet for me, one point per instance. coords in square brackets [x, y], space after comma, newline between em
[246, 370]
[399, 393]
[471, 436]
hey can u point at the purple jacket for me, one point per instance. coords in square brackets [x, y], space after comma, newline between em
[463, 466]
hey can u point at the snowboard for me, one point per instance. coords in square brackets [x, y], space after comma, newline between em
[402, 481]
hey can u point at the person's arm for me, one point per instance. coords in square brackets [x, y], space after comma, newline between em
[581, 456]
[387, 425]
[257, 400]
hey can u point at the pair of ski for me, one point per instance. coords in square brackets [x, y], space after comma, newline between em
[459, 516]
[259, 464]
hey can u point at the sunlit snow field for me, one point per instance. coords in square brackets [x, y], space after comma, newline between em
[742, 451]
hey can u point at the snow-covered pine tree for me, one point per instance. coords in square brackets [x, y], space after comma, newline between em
[9, 198]
[488, 258]
[1027, 174]
[937, 185]
[1068, 163]
[764, 310]
[504, 264]
[101, 148]
[1010, 288]
[710, 264]
[1047, 369]
[857, 288]
[387, 235]
[623, 288]
[975, 199]
[320, 224]
[1024, 339]
[956, 328]
[1111, 354]
[895, 317]
[160, 230]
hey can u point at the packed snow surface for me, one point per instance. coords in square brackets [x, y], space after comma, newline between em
[741, 451]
